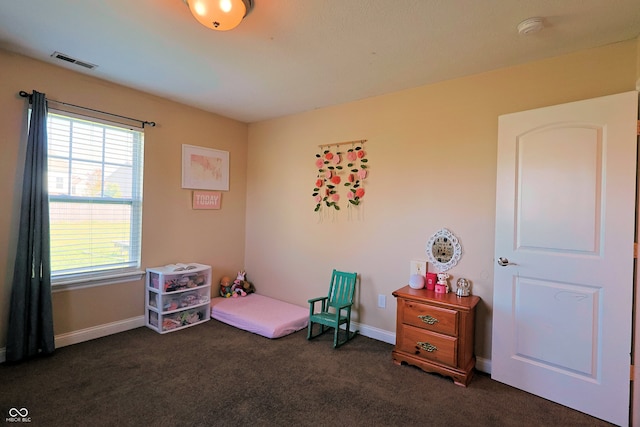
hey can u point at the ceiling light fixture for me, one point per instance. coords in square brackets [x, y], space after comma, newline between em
[530, 26]
[221, 15]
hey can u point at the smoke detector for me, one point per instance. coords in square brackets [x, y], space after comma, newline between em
[530, 26]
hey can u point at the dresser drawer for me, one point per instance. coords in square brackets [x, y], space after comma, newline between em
[429, 317]
[428, 345]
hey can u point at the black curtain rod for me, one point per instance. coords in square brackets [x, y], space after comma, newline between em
[144, 122]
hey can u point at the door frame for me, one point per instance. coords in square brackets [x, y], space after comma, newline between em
[634, 405]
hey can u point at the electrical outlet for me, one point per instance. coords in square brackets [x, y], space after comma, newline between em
[419, 266]
[382, 301]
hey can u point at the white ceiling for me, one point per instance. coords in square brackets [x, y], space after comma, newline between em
[290, 56]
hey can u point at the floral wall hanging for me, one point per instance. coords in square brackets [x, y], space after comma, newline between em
[340, 175]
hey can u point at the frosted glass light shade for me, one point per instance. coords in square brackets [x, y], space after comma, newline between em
[221, 15]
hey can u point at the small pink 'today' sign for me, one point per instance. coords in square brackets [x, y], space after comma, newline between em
[206, 199]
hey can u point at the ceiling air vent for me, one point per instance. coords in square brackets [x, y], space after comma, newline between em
[67, 58]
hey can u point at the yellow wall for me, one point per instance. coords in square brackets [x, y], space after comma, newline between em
[172, 231]
[638, 64]
[432, 158]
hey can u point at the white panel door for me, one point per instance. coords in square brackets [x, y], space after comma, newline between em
[565, 216]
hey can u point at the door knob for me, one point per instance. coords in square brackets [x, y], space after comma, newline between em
[503, 261]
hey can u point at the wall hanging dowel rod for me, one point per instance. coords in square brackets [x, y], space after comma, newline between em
[24, 94]
[359, 141]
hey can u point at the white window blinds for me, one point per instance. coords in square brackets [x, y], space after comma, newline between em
[95, 196]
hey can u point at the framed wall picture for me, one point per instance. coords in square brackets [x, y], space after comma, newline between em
[205, 168]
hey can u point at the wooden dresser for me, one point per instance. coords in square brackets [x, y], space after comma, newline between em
[436, 332]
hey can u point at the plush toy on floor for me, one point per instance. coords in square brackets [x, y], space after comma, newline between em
[241, 286]
[225, 287]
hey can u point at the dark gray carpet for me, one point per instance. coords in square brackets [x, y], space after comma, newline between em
[216, 375]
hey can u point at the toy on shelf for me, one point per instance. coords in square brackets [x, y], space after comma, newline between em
[189, 317]
[170, 324]
[442, 286]
[185, 282]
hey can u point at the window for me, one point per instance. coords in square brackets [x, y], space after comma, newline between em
[95, 199]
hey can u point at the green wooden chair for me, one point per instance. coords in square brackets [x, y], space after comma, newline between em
[335, 309]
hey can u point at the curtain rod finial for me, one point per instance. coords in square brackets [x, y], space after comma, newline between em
[24, 94]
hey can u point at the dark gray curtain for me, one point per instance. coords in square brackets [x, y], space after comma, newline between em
[31, 315]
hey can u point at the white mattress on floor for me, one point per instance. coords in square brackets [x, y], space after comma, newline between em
[260, 314]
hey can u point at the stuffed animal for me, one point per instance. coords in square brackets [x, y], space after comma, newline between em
[225, 287]
[241, 286]
[442, 286]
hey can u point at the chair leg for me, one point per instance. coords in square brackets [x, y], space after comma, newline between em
[337, 342]
[348, 334]
[309, 328]
[310, 334]
[354, 333]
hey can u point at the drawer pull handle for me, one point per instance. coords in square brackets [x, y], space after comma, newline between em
[427, 347]
[428, 319]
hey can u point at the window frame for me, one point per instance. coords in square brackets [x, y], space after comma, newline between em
[77, 280]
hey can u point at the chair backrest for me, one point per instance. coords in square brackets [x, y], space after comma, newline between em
[342, 289]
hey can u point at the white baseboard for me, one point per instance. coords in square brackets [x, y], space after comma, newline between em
[483, 365]
[375, 333]
[91, 333]
[99, 331]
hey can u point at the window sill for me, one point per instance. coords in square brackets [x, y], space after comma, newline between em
[81, 282]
